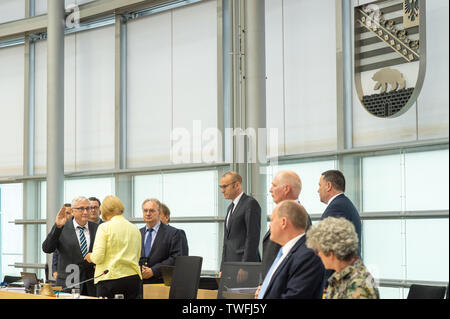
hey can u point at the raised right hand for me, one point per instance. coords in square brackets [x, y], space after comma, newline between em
[61, 218]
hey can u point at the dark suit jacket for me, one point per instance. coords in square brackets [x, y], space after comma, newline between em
[270, 250]
[299, 276]
[241, 238]
[184, 243]
[166, 246]
[66, 242]
[341, 206]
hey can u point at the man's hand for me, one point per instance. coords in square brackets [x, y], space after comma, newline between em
[257, 292]
[242, 276]
[55, 275]
[61, 217]
[88, 258]
[147, 272]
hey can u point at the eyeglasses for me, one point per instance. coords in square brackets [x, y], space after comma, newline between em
[225, 186]
[149, 211]
[82, 208]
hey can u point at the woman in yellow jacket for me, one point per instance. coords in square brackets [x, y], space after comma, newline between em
[116, 252]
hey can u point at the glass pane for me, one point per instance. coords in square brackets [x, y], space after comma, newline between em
[203, 241]
[11, 109]
[11, 10]
[427, 180]
[149, 186]
[383, 249]
[11, 241]
[191, 194]
[149, 90]
[382, 183]
[433, 119]
[390, 293]
[427, 249]
[309, 174]
[97, 187]
[94, 85]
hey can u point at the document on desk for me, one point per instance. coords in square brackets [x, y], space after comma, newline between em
[246, 290]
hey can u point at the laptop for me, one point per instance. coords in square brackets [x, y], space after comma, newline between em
[29, 279]
[167, 272]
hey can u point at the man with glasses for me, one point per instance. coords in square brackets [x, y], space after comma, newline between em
[160, 243]
[94, 216]
[242, 224]
[74, 239]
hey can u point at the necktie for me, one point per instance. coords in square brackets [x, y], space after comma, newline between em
[148, 242]
[83, 243]
[229, 213]
[269, 275]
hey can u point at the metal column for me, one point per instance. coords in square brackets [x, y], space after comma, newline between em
[255, 84]
[55, 109]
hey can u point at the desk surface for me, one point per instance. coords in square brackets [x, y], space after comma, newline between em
[5, 294]
[160, 291]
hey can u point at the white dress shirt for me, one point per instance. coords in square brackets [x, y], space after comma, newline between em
[86, 233]
[235, 202]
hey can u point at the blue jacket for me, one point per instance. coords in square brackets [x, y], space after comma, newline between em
[299, 276]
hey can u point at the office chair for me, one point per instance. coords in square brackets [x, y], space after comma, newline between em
[186, 277]
[426, 292]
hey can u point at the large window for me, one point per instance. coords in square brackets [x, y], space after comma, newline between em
[188, 195]
[11, 244]
[401, 247]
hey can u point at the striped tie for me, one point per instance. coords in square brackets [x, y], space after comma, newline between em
[83, 244]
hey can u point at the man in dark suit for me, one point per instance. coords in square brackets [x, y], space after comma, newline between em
[165, 219]
[286, 185]
[73, 238]
[242, 224]
[95, 203]
[331, 191]
[297, 272]
[160, 243]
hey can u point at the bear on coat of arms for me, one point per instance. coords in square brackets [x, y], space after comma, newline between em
[389, 76]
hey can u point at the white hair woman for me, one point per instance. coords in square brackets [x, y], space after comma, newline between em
[336, 243]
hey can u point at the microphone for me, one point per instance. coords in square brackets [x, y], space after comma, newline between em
[93, 278]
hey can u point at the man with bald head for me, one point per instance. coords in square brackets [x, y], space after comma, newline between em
[286, 185]
[242, 222]
[297, 272]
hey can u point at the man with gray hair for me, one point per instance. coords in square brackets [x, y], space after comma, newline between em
[286, 185]
[296, 272]
[160, 243]
[74, 239]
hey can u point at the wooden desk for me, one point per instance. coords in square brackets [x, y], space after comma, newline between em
[20, 295]
[160, 291]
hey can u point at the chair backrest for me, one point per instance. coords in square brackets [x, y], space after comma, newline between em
[9, 279]
[186, 277]
[426, 292]
[239, 280]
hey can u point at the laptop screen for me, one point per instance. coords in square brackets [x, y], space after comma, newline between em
[29, 279]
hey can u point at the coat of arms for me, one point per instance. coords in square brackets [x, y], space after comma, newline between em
[389, 55]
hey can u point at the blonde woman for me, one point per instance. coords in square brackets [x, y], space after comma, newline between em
[336, 243]
[116, 252]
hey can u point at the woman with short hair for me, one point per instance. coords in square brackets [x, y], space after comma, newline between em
[116, 252]
[336, 243]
